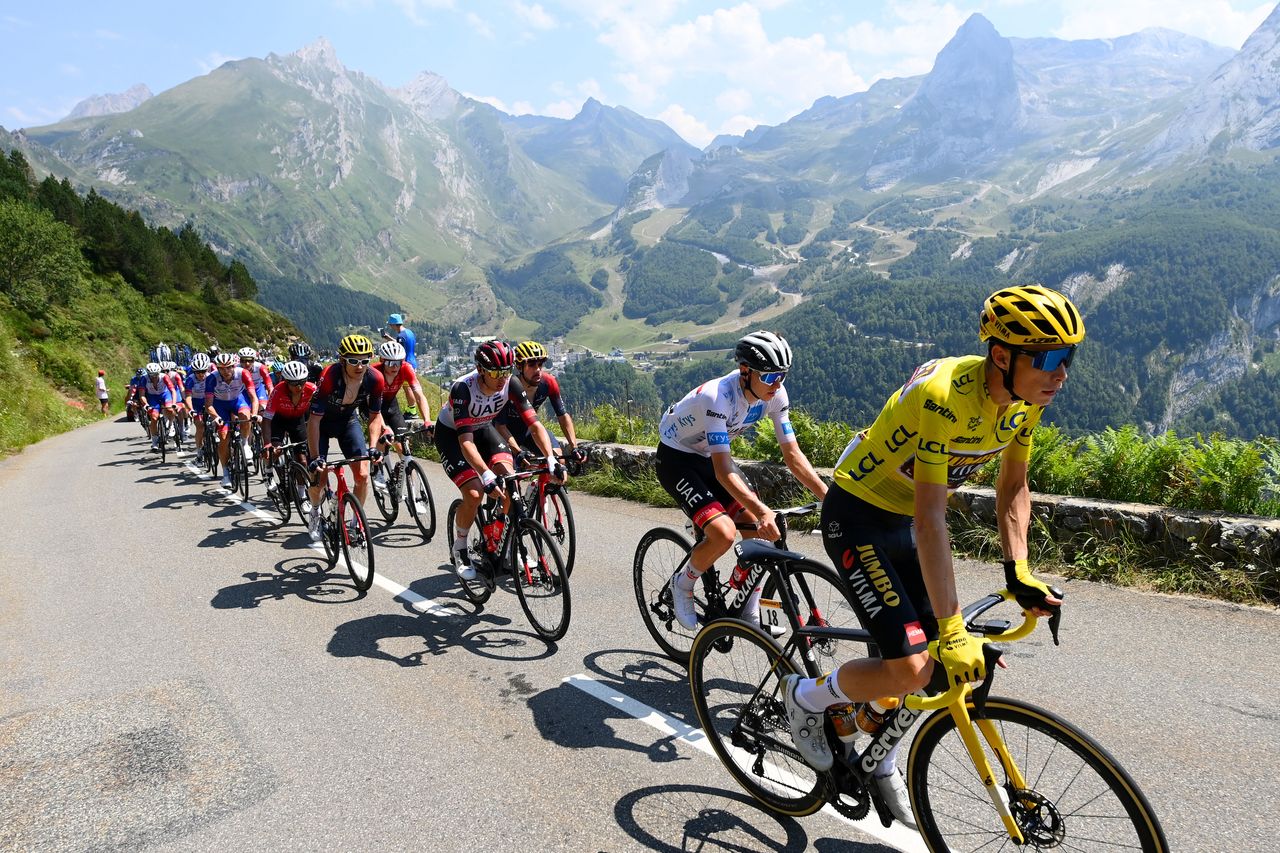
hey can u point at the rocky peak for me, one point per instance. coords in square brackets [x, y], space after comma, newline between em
[591, 109]
[973, 88]
[120, 102]
[320, 53]
[429, 95]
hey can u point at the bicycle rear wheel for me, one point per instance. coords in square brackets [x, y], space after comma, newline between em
[329, 529]
[278, 494]
[242, 465]
[298, 480]
[660, 552]
[821, 598]
[477, 589]
[1079, 797]
[255, 446]
[161, 429]
[556, 515]
[357, 548]
[388, 500]
[735, 675]
[541, 580]
[418, 497]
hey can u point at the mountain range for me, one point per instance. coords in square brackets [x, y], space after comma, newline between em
[310, 171]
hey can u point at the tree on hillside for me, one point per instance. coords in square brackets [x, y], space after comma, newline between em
[40, 260]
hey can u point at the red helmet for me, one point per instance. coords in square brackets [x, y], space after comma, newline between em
[495, 355]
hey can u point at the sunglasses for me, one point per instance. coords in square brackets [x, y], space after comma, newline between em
[394, 364]
[1051, 359]
[297, 383]
[358, 362]
[495, 374]
[534, 361]
[773, 377]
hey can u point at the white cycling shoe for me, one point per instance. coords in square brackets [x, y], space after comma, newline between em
[894, 793]
[682, 605]
[807, 729]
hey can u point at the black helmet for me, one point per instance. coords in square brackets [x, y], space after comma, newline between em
[764, 351]
[299, 351]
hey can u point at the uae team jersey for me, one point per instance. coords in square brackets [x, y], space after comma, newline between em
[470, 408]
[713, 414]
[940, 427]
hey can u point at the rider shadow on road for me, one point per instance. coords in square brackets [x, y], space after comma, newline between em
[177, 502]
[243, 530]
[406, 640]
[391, 537]
[678, 818]
[300, 577]
[562, 718]
[647, 677]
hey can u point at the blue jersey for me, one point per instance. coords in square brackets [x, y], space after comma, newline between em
[410, 343]
[195, 387]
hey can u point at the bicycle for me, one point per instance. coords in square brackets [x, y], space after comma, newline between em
[255, 446]
[283, 493]
[237, 465]
[1051, 785]
[407, 477]
[343, 525]
[162, 438]
[531, 556]
[210, 446]
[549, 501]
[662, 552]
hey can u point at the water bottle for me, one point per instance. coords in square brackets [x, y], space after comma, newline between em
[739, 575]
[844, 721]
[872, 715]
[493, 533]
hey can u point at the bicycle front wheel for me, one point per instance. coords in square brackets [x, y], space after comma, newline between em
[556, 515]
[329, 526]
[735, 675]
[1077, 796]
[299, 478]
[418, 497]
[660, 552]
[243, 466]
[476, 589]
[541, 580]
[357, 548]
[278, 494]
[386, 498]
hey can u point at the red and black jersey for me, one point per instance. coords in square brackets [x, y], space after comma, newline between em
[281, 403]
[327, 400]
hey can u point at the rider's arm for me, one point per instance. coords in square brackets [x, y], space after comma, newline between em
[566, 427]
[543, 440]
[933, 546]
[313, 435]
[736, 486]
[800, 468]
[1013, 508]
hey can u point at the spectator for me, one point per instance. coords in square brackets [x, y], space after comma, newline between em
[397, 332]
[102, 392]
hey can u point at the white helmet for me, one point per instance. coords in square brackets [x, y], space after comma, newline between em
[391, 351]
[248, 352]
[153, 367]
[764, 351]
[200, 361]
[295, 371]
[169, 365]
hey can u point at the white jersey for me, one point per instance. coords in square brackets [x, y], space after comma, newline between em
[714, 413]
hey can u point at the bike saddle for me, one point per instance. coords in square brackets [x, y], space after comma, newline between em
[760, 551]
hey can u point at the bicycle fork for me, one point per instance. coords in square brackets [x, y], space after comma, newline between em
[999, 798]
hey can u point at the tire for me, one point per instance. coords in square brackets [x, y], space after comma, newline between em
[477, 590]
[329, 535]
[420, 501]
[659, 553]
[388, 502]
[357, 544]
[160, 431]
[821, 597]
[556, 514]
[1080, 797]
[541, 581]
[735, 674]
[255, 444]
[280, 498]
[298, 480]
[243, 467]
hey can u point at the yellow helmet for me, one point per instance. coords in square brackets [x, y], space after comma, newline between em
[530, 350]
[1028, 315]
[355, 345]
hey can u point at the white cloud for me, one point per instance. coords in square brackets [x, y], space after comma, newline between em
[561, 109]
[38, 116]
[490, 100]
[533, 15]
[739, 124]
[213, 60]
[1214, 20]
[906, 46]
[734, 100]
[522, 108]
[479, 24]
[688, 126]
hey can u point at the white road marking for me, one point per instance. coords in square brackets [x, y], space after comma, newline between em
[896, 836]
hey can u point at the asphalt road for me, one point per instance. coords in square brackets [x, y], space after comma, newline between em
[177, 673]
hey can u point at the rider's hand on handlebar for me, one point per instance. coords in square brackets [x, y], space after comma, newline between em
[375, 455]
[959, 652]
[767, 526]
[489, 480]
[524, 459]
[316, 464]
[1031, 593]
[558, 473]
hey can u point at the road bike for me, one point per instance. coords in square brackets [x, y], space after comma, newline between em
[283, 492]
[530, 556]
[343, 526]
[406, 479]
[237, 466]
[982, 770]
[662, 552]
[210, 446]
[548, 503]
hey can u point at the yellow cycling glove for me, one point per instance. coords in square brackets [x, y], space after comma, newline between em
[1029, 590]
[959, 652]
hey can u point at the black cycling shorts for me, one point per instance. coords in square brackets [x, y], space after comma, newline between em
[348, 431]
[293, 429]
[691, 479]
[876, 552]
[490, 444]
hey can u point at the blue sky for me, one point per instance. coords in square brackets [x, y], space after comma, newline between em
[702, 66]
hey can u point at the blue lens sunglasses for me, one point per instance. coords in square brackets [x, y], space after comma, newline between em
[1051, 359]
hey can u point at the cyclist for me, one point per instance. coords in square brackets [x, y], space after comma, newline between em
[397, 373]
[540, 387]
[470, 447]
[886, 522]
[135, 404]
[344, 389]
[694, 466]
[178, 379]
[301, 351]
[286, 411]
[194, 393]
[262, 383]
[229, 395]
[159, 395]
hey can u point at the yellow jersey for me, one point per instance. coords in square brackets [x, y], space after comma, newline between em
[940, 427]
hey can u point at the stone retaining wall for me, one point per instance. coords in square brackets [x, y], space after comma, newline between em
[1235, 541]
